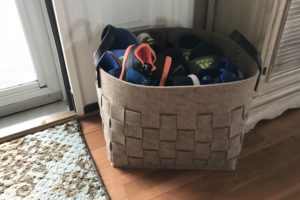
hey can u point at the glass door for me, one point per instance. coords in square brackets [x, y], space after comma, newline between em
[28, 70]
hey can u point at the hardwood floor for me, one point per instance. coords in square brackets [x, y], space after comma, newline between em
[269, 168]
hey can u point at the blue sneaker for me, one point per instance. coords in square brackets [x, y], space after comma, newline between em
[110, 61]
[206, 62]
[138, 65]
[213, 69]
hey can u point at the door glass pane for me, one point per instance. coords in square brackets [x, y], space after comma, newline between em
[16, 66]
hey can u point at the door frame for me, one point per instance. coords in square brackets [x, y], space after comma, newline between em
[64, 29]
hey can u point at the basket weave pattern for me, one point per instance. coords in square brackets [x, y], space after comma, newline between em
[206, 147]
[185, 139]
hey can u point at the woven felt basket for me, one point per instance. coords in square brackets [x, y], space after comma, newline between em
[185, 127]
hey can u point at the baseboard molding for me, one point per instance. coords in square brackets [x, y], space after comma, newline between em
[272, 109]
[93, 107]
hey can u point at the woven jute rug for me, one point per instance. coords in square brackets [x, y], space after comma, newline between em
[51, 164]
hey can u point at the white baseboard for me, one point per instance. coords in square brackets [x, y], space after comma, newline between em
[272, 109]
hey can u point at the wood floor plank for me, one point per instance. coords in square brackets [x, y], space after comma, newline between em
[94, 140]
[278, 129]
[262, 162]
[116, 178]
[269, 159]
[293, 196]
[217, 184]
[186, 193]
[297, 135]
[160, 182]
[165, 196]
[117, 193]
[253, 143]
[126, 198]
[119, 176]
[287, 193]
[145, 189]
[100, 157]
[90, 123]
[270, 185]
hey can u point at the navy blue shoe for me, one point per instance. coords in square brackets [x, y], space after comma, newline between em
[179, 66]
[185, 42]
[191, 79]
[114, 42]
[156, 39]
[204, 49]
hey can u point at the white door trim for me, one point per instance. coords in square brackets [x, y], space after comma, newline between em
[69, 54]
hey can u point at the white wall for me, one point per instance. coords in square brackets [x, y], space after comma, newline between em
[80, 23]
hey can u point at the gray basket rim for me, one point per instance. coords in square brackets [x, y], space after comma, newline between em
[175, 87]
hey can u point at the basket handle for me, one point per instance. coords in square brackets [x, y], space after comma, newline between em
[242, 41]
[107, 39]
